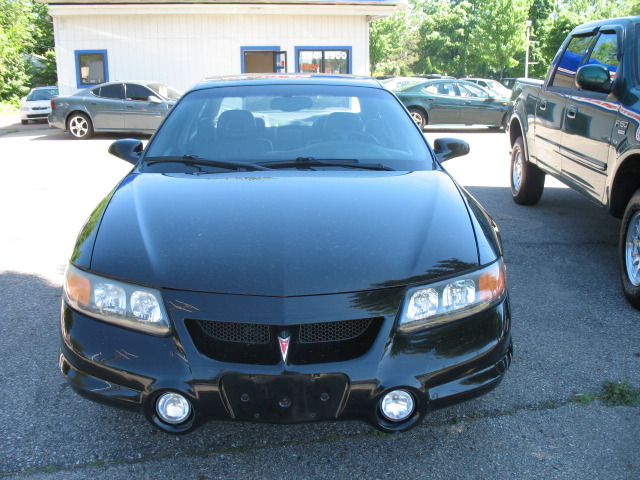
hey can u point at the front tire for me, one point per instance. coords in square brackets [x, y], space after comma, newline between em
[630, 251]
[527, 180]
[419, 117]
[79, 126]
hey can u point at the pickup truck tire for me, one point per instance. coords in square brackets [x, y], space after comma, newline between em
[527, 180]
[419, 116]
[79, 126]
[630, 250]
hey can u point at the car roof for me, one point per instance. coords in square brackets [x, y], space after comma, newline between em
[287, 79]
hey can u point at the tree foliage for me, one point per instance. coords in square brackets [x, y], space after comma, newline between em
[25, 35]
[486, 38]
[444, 35]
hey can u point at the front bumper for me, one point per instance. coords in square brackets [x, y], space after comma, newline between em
[439, 366]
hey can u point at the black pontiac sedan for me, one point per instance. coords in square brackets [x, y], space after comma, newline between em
[286, 249]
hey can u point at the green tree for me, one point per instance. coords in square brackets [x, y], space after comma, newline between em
[392, 42]
[444, 36]
[24, 31]
[499, 34]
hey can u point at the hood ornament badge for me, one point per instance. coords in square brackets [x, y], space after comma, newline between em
[284, 346]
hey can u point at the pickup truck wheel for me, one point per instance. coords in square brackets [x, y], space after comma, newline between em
[79, 126]
[419, 117]
[527, 180]
[630, 250]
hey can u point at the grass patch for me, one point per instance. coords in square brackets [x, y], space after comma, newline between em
[615, 394]
[7, 109]
[584, 398]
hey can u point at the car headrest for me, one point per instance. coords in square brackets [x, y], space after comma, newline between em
[236, 123]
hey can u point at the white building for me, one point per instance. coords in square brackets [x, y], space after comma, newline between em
[180, 42]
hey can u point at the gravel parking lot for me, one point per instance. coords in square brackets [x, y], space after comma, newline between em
[573, 331]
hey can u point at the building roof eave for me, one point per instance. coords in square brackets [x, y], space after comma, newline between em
[371, 10]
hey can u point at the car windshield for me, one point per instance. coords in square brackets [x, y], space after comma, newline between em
[498, 88]
[165, 91]
[270, 125]
[42, 94]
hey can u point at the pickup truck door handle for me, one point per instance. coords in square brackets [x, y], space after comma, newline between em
[543, 104]
[572, 111]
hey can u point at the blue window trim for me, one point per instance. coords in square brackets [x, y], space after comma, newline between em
[271, 48]
[328, 47]
[77, 54]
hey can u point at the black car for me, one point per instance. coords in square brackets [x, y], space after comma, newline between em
[286, 249]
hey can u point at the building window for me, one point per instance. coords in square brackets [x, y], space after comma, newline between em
[323, 60]
[91, 67]
[261, 59]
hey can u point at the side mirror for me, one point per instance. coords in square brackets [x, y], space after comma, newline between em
[596, 78]
[448, 148]
[154, 99]
[128, 149]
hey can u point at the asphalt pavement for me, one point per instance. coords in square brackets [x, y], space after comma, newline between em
[572, 328]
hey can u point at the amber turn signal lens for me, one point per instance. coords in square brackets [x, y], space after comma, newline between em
[78, 287]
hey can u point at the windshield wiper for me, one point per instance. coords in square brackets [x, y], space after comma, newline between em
[306, 162]
[195, 160]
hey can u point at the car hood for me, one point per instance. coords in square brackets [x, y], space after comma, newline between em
[284, 233]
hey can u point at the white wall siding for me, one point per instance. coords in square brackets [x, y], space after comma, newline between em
[182, 49]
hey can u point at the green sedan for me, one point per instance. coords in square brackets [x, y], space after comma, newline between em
[453, 102]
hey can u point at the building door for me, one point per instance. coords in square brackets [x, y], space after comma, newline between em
[264, 61]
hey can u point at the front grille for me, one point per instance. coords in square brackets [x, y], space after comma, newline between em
[258, 344]
[333, 331]
[235, 332]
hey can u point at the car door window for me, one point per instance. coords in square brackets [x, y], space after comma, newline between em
[447, 89]
[138, 92]
[111, 91]
[605, 52]
[471, 91]
[570, 61]
[430, 89]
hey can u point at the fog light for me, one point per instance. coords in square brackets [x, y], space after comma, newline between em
[397, 405]
[173, 408]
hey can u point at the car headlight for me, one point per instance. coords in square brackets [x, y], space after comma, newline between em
[451, 299]
[125, 304]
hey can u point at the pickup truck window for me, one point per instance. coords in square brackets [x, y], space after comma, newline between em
[570, 61]
[606, 52]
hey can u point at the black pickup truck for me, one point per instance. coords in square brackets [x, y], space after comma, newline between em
[582, 126]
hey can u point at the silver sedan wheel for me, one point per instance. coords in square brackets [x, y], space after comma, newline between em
[516, 172]
[79, 126]
[417, 118]
[632, 250]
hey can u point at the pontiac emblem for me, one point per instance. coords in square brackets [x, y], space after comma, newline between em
[284, 347]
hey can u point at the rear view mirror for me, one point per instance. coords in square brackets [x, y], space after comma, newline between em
[128, 149]
[290, 104]
[596, 78]
[448, 148]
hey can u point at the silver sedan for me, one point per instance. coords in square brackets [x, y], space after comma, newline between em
[137, 107]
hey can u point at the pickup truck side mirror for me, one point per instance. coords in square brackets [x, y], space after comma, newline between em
[448, 148]
[596, 78]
